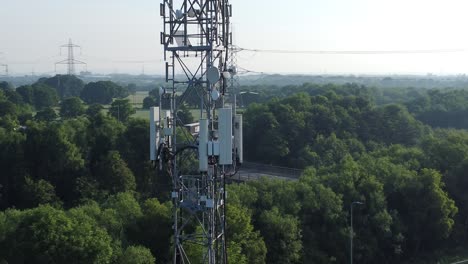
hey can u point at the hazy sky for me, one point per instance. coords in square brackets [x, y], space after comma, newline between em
[120, 36]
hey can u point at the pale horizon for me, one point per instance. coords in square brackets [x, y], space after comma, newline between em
[122, 36]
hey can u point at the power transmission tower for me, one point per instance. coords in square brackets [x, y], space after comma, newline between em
[70, 61]
[196, 40]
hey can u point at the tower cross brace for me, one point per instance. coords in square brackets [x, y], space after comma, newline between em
[70, 61]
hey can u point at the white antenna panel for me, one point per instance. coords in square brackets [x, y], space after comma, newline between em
[238, 141]
[225, 136]
[203, 145]
[154, 131]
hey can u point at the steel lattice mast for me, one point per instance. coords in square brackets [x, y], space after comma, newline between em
[70, 61]
[196, 40]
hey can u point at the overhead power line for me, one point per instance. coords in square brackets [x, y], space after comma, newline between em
[354, 52]
[128, 61]
[70, 61]
[242, 70]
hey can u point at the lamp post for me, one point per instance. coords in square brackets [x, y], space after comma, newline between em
[351, 232]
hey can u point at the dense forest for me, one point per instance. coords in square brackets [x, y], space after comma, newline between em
[77, 186]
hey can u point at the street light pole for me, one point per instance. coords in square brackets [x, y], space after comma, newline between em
[351, 232]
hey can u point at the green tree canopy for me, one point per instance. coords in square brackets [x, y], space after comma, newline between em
[153, 229]
[7, 108]
[38, 192]
[71, 107]
[47, 114]
[113, 174]
[48, 235]
[137, 255]
[44, 96]
[39, 95]
[121, 109]
[149, 102]
[65, 85]
[6, 86]
[93, 110]
[102, 92]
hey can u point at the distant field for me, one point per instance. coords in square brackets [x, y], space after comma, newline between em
[137, 102]
[195, 113]
[141, 114]
[137, 99]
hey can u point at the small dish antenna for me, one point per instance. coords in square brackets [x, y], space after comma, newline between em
[162, 91]
[214, 94]
[233, 70]
[191, 12]
[226, 74]
[179, 14]
[212, 74]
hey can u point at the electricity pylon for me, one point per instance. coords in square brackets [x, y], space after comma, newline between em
[70, 61]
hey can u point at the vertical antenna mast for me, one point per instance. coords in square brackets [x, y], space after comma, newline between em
[70, 61]
[234, 82]
[196, 39]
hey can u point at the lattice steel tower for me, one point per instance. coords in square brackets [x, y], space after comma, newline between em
[70, 61]
[196, 39]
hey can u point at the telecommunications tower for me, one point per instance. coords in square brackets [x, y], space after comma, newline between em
[70, 61]
[196, 39]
